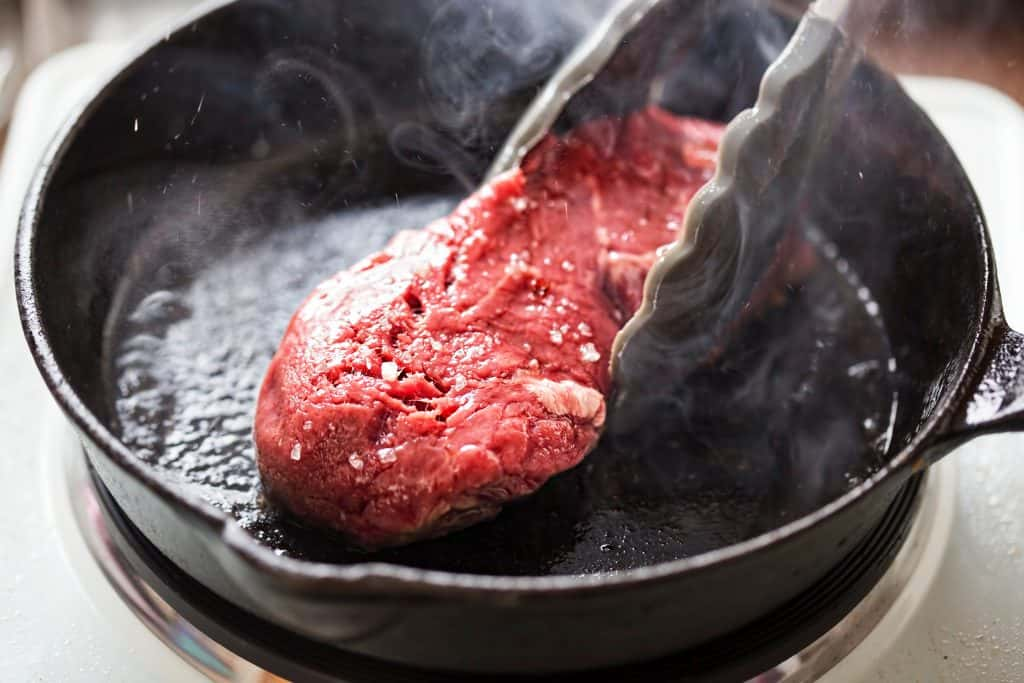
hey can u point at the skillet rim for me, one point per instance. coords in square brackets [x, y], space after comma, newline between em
[367, 579]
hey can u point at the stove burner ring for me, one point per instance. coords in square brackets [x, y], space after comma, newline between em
[134, 571]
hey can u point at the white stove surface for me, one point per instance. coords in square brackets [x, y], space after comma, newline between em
[962, 619]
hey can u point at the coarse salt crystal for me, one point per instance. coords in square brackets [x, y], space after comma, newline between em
[387, 455]
[307, 425]
[589, 353]
[389, 371]
[585, 330]
[297, 452]
[556, 337]
[568, 266]
[355, 461]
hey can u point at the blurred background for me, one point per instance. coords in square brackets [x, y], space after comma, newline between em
[32, 30]
[981, 40]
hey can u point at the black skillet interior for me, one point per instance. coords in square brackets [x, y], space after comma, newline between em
[272, 143]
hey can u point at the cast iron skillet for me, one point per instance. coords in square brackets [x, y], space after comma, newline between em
[260, 126]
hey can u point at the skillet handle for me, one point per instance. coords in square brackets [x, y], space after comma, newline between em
[997, 401]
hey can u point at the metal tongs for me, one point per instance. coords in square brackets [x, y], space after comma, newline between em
[702, 284]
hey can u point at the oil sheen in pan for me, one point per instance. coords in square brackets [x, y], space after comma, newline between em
[767, 441]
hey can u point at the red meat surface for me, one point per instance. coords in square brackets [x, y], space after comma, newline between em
[468, 362]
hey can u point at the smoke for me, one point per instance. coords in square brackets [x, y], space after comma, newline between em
[346, 99]
[744, 355]
[475, 52]
[439, 83]
[476, 55]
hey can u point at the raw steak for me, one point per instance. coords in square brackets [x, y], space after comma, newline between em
[467, 363]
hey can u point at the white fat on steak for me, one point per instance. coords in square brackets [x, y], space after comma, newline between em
[568, 398]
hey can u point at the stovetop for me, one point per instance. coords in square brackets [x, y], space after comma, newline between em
[960, 619]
